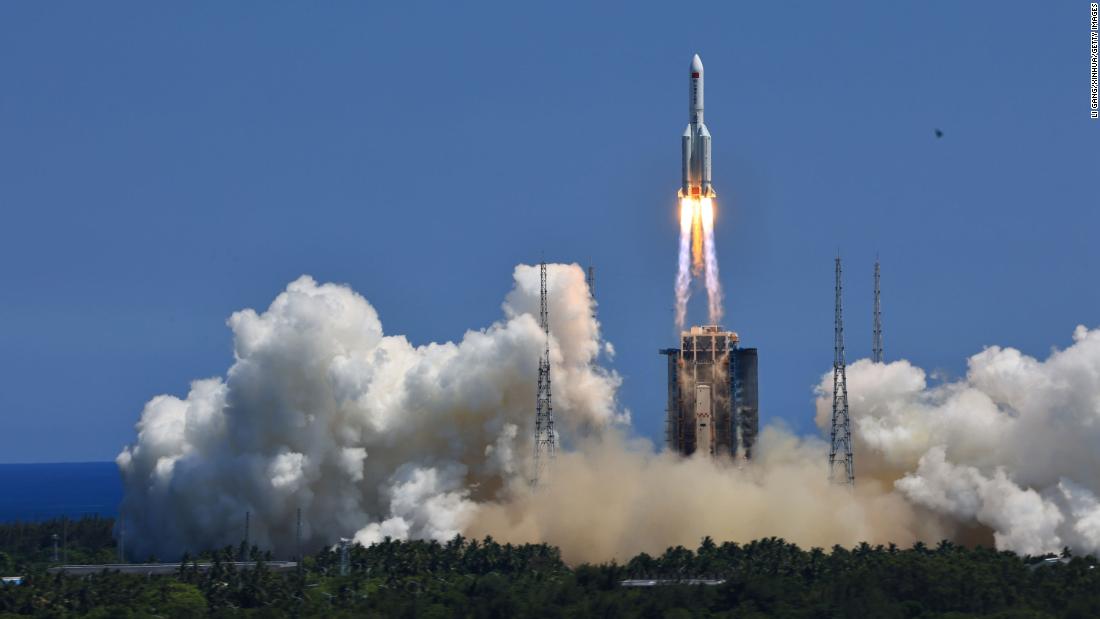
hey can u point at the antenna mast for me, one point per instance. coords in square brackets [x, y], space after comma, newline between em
[345, 559]
[590, 280]
[244, 543]
[298, 537]
[544, 413]
[840, 438]
[121, 539]
[876, 337]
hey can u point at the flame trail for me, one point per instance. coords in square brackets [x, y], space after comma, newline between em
[697, 263]
[683, 275]
[698, 257]
[714, 287]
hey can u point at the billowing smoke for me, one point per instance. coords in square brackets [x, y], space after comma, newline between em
[365, 433]
[613, 499]
[372, 437]
[1013, 446]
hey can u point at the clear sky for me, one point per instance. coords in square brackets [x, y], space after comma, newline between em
[164, 164]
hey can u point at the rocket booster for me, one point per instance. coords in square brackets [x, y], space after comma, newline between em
[695, 180]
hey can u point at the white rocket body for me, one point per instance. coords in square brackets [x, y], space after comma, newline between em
[695, 180]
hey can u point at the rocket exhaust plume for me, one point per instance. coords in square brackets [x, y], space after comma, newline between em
[714, 288]
[697, 257]
[365, 433]
[683, 274]
[371, 436]
[697, 263]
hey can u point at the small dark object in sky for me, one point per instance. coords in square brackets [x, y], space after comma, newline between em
[939, 134]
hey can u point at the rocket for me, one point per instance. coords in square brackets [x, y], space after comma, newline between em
[695, 180]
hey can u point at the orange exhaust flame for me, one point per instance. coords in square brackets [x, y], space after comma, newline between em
[698, 257]
[697, 239]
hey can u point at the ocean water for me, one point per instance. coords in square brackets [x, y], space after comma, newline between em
[74, 489]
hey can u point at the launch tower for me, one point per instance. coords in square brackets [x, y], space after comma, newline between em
[876, 334]
[841, 468]
[713, 404]
[545, 438]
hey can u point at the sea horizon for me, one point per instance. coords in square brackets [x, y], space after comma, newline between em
[32, 492]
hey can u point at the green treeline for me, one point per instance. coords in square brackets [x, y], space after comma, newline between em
[24, 545]
[482, 578]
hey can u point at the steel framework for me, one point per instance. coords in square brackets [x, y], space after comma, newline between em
[876, 336]
[712, 360]
[545, 439]
[840, 438]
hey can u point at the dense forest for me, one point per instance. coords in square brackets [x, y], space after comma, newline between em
[482, 578]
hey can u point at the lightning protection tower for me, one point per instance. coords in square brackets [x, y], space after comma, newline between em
[876, 335]
[840, 438]
[590, 281]
[544, 413]
[345, 559]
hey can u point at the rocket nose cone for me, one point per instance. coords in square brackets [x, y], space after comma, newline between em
[696, 64]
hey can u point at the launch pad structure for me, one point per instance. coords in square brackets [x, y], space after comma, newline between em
[713, 400]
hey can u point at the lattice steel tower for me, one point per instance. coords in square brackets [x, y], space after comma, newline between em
[840, 437]
[876, 336]
[590, 280]
[545, 438]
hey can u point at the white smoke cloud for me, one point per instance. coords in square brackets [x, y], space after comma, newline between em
[362, 431]
[1012, 446]
[373, 437]
[1021, 519]
[427, 503]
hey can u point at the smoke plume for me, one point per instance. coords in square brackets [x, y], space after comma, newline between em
[1011, 447]
[365, 433]
[371, 437]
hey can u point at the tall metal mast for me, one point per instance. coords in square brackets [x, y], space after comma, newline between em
[840, 438]
[545, 438]
[590, 280]
[298, 538]
[345, 558]
[876, 337]
[121, 539]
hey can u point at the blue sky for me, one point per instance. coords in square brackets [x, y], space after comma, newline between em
[165, 164]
